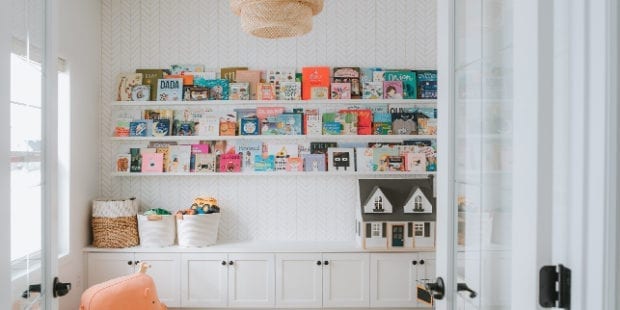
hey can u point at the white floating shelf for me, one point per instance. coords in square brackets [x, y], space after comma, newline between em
[309, 103]
[278, 174]
[336, 138]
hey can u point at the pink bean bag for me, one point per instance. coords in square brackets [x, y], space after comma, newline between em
[132, 292]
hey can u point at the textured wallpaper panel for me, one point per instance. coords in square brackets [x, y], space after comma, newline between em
[156, 34]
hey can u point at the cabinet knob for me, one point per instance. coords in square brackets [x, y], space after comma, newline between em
[129, 263]
[318, 263]
[231, 263]
[421, 262]
[136, 262]
[326, 262]
[223, 263]
[415, 262]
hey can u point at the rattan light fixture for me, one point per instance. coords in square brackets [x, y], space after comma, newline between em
[274, 19]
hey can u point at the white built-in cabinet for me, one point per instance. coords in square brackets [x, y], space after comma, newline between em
[394, 278]
[227, 280]
[164, 271]
[274, 279]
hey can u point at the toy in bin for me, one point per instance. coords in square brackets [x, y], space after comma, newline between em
[201, 205]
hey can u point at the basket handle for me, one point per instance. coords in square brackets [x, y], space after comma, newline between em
[154, 217]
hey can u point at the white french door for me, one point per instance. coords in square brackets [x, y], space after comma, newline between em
[528, 124]
[31, 139]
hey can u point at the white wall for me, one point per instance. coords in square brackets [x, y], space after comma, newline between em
[80, 44]
[152, 34]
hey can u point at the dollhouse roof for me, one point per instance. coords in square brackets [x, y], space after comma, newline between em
[398, 192]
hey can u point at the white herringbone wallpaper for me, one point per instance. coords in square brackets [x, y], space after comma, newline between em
[155, 34]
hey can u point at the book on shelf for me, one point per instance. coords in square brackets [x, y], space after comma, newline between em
[248, 151]
[314, 162]
[141, 128]
[341, 90]
[289, 90]
[364, 159]
[282, 124]
[427, 84]
[180, 158]
[152, 162]
[150, 77]
[281, 153]
[253, 77]
[184, 128]
[228, 124]
[377, 76]
[170, 89]
[135, 160]
[230, 73]
[294, 164]
[163, 147]
[161, 127]
[427, 126]
[122, 120]
[276, 77]
[315, 82]
[206, 75]
[264, 163]
[218, 147]
[186, 68]
[218, 88]
[340, 159]
[204, 162]
[230, 163]
[404, 124]
[249, 127]
[141, 93]
[381, 157]
[392, 89]
[194, 150]
[123, 162]
[350, 75]
[313, 125]
[395, 163]
[366, 74]
[125, 82]
[408, 80]
[348, 120]
[415, 162]
[195, 93]
[266, 91]
[239, 91]
[372, 90]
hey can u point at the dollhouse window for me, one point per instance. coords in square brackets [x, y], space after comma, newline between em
[419, 230]
[378, 204]
[417, 204]
[376, 229]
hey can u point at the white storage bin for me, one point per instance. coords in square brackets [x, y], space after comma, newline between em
[156, 230]
[198, 230]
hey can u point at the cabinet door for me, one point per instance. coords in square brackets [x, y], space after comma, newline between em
[393, 279]
[165, 273]
[425, 271]
[105, 266]
[299, 280]
[251, 280]
[204, 280]
[345, 279]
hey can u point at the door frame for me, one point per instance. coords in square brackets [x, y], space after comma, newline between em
[5, 164]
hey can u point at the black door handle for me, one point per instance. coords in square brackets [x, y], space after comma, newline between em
[32, 288]
[61, 289]
[438, 289]
[463, 287]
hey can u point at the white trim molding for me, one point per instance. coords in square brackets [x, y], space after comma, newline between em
[5, 167]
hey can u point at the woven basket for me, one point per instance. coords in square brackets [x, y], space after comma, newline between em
[276, 18]
[117, 232]
[198, 230]
[156, 230]
[115, 207]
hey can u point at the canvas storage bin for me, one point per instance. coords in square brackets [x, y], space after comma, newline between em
[114, 223]
[156, 230]
[197, 230]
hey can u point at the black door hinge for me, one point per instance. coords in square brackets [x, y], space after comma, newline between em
[554, 287]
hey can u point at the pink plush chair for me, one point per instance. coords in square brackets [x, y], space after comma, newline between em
[132, 292]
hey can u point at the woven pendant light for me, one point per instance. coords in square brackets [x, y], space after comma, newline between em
[274, 19]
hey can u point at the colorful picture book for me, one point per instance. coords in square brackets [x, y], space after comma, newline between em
[289, 90]
[230, 163]
[123, 162]
[393, 89]
[248, 151]
[266, 91]
[194, 93]
[294, 164]
[341, 90]
[204, 162]
[135, 164]
[350, 75]
[239, 91]
[404, 124]
[230, 73]
[152, 162]
[264, 163]
[218, 88]
[408, 79]
[315, 82]
[150, 77]
[415, 162]
[252, 77]
[372, 90]
[186, 68]
[194, 150]
[141, 93]
[180, 158]
[125, 83]
[340, 159]
[314, 162]
[170, 89]
[364, 159]
[427, 84]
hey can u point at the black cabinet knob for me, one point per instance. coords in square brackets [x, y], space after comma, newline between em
[318, 263]
[421, 262]
[136, 262]
[326, 262]
[231, 263]
[414, 262]
[223, 263]
[129, 263]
